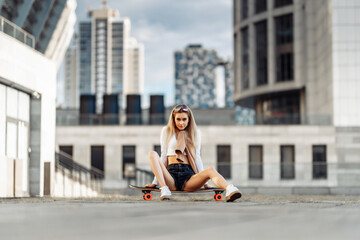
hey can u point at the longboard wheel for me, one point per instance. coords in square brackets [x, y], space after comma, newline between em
[218, 197]
[147, 196]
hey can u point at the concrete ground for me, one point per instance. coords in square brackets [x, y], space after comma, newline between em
[184, 217]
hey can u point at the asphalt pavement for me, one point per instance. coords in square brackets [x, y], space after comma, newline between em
[183, 217]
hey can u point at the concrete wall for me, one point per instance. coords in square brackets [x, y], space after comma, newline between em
[316, 28]
[346, 62]
[239, 138]
[348, 149]
[74, 184]
[25, 69]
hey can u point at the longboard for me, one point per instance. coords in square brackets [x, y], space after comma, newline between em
[148, 196]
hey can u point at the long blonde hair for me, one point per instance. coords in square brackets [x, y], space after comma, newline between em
[191, 128]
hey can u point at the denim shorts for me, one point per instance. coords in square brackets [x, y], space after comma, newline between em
[180, 173]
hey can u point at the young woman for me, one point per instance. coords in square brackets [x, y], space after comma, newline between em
[180, 167]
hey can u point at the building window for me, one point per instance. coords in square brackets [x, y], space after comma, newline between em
[260, 6]
[157, 148]
[224, 160]
[281, 3]
[67, 149]
[245, 58]
[11, 140]
[97, 157]
[285, 67]
[129, 164]
[236, 61]
[14, 123]
[319, 162]
[261, 52]
[284, 48]
[244, 9]
[279, 108]
[287, 162]
[255, 162]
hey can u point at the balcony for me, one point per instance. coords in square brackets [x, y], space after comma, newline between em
[16, 32]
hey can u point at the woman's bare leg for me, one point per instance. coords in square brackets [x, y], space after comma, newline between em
[162, 174]
[198, 180]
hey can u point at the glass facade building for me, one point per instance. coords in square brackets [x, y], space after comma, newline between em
[38, 17]
[84, 58]
[281, 71]
[106, 55]
[311, 77]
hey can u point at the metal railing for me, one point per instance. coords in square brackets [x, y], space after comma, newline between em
[203, 118]
[67, 162]
[293, 119]
[108, 119]
[90, 177]
[16, 32]
[143, 177]
[297, 172]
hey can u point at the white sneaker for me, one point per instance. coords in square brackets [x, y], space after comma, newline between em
[165, 193]
[232, 193]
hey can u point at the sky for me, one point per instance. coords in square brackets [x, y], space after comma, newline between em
[164, 26]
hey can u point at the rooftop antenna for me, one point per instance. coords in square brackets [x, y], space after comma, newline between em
[104, 3]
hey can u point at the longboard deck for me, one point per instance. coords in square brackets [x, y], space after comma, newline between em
[158, 190]
[147, 192]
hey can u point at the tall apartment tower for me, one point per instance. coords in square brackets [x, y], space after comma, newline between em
[228, 77]
[135, 77]
[103, 55]
[71, 86]
[195, 77]
[50, 22]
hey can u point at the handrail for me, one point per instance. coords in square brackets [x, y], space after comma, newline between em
[147, 172]
[16, 32]
[143, 176]
[230, 118]
[67, 162]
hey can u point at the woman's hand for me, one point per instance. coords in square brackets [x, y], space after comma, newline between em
[207, 186]
[150, 185]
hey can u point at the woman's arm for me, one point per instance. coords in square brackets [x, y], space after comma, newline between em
[198, 161]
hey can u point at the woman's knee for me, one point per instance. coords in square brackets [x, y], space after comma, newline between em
[211, 169]
[152, 155]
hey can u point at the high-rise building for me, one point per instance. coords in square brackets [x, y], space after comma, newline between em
[296, 61]
[51, 23]
[33, 38]
[71, 88]
[104, 50]
[195, 77]
[135, 77]
[228, 77]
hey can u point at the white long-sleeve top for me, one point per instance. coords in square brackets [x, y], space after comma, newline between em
[170, 150]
